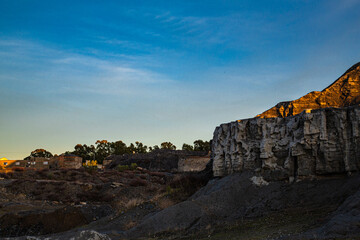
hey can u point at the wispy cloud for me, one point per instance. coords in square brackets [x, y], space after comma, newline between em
[74, 72]
[237, 30]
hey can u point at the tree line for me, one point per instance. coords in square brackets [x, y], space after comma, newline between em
[104, 148]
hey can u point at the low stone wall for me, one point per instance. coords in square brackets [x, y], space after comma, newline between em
[73, 162]
[68, 161]
[318, 142]
[193, 163]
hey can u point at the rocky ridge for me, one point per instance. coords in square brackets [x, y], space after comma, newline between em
[344, 92]
[313, 143]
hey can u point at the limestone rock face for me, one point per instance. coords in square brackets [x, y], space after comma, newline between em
[318, 142]
[344, 92]
[315, 135]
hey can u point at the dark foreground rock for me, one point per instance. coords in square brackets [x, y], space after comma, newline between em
[232, 199]
[344, 223]
[39, 222]
[328, 206]
[80, 235]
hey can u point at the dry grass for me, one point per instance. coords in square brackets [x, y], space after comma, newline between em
[133, 203]
[165, 203]
[130, 224]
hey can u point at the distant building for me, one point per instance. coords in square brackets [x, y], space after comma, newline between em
[68, 161]
[62, 161]
[5, 164]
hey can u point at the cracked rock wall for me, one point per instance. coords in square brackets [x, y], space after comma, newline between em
[312, 143]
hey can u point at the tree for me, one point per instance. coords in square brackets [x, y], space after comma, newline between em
[168, 145]
[137, 148]
[140, 148]
[187, 147]
[119, 148]
[103, 149]
[156, 147]
[132, 148]
[39, 153]
[200, 145]
[84, 151]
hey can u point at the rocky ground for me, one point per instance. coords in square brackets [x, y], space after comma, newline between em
[239, 207]
[50, 201]
[141, 204]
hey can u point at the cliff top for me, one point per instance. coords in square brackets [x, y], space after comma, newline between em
[344, 92]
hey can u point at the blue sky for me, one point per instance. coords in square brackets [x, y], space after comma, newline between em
[78, 71]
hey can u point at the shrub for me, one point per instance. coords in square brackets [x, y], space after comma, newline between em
[50, 175]
[90, 166]
[122, 168]
[170, 190]
[133, 166]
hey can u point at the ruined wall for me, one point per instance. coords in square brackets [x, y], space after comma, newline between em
[193, 163]
[318, 142]
[74, 162]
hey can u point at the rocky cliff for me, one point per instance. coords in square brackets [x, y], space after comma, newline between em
[344, 92]
[283, 144]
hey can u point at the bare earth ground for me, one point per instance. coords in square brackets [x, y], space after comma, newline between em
[141, 204]
[43, 202]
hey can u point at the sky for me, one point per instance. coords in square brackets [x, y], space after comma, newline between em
[153, 71]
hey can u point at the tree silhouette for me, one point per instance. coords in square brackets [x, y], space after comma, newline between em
[39, 153]
[200, 145]
[187, 147]
[168, 145]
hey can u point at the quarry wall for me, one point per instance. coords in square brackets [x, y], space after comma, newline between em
[313, 143]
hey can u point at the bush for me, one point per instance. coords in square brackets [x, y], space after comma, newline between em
[50, 175]
[133, 166]
[122, 168]
[170, 190]
[90, 166]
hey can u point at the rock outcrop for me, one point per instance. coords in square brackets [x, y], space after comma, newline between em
[344, 92]
[315, 142]
[225, 201]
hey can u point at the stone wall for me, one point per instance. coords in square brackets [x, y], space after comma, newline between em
[74, 162]
[193, 163]
[312, 143]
